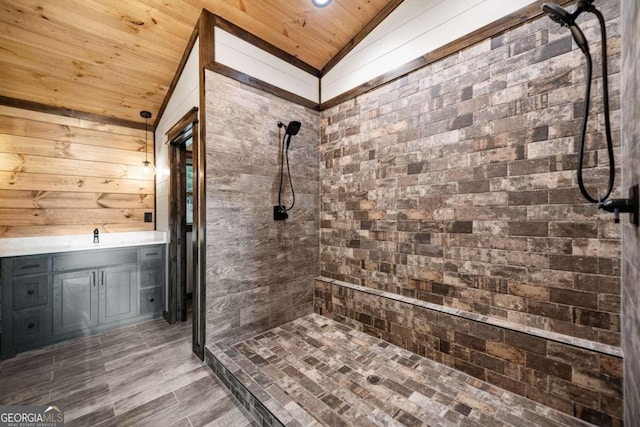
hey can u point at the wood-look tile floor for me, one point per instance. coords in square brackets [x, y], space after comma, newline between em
[314, 371]
[143, 374]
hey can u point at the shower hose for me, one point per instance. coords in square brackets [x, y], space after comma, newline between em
[607, 124]
[285, 153]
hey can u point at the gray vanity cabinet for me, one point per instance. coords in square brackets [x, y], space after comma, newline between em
[53, 297]
[75, 301]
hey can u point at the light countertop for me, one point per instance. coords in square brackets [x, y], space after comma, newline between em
[18, 246]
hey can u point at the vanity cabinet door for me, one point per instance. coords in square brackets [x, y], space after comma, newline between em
[75, 301]
[118, 298]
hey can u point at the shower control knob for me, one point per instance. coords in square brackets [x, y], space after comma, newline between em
[616, 206]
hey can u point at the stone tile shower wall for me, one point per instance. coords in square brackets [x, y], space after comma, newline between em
[259, 272]
[456, 185]
[631, 235]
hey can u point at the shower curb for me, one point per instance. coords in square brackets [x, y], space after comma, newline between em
[252, 404]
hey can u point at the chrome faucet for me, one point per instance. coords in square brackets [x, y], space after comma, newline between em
[96, 236]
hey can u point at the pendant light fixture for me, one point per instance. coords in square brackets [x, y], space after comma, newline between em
[147, 165]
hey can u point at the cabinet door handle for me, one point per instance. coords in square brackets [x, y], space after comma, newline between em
[102, 278]
[30, 292]
[31, 325]
[24, 267]
[152, 254]
[93, 274]
[151, 299]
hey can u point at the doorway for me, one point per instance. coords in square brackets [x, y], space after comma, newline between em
[185, 296]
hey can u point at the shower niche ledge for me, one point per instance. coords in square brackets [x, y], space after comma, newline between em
[493, 321]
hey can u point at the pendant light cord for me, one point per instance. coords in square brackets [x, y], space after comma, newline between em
[146, 146]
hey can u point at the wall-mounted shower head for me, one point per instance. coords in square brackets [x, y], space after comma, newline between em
[558, 14]
[568, 19]
[292, 128]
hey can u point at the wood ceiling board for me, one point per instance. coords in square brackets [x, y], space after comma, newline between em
[44, 90]
[181, 11]
[108, 55]
[364, 11]
[107, 86]
[63, 91]
[142, 38]
[114, 58]
[325, 32]
[72, 19]
[266, 33]
[149, 21]
[302, 25]
[91, 74]
[334, 22]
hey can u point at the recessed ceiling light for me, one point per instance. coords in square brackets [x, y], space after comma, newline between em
[320, 3]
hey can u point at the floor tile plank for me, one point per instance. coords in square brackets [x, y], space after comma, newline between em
[143, 374]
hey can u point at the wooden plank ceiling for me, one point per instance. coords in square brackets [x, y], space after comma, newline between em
[117, 57]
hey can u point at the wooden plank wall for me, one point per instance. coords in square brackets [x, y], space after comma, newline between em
[60, 176]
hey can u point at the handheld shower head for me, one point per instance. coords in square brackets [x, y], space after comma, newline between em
[558, 14]
[293, 128]
[566, 19]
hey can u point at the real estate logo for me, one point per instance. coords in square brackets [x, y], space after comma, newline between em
[31, 416]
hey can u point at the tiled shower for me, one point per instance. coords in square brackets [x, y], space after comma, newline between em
[440, 216]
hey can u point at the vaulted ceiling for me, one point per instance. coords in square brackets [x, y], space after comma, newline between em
[118, 57]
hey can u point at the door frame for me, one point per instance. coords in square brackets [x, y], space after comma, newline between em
[177, 229]
[186, 128]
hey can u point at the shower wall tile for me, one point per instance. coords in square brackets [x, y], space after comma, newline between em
[582, 382]
[259, 271]
[456, 184]
[630, 119]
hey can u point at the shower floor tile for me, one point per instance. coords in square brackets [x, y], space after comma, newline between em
[315, 371]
